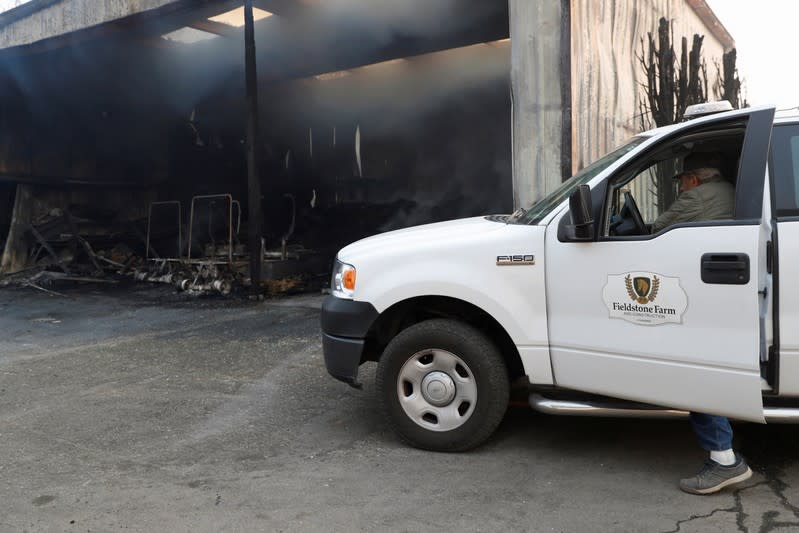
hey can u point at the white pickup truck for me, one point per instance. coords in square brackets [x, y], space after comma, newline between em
[578, 300]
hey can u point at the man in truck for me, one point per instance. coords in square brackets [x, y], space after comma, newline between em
[706, 195]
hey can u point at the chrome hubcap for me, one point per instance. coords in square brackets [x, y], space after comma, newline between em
[437, 390]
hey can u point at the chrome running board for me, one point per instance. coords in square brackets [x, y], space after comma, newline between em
[617, 409]
[621, 409]
[781, 415]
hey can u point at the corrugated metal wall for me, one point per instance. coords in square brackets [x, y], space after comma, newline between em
[606, 74]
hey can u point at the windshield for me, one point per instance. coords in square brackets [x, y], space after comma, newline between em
[538, 211]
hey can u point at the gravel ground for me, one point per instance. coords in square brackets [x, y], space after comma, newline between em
[131, 408]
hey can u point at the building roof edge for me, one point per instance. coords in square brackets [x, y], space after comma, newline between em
[24, 10]
[713, 24]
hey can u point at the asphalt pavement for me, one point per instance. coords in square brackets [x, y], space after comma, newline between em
[133, 408]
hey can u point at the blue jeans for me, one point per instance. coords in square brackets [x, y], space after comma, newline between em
[714, 432]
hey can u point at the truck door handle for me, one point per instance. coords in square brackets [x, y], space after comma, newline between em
[724, 265]
[725, 269]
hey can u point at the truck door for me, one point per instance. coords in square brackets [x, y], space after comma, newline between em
[784, 168]
[670, 318]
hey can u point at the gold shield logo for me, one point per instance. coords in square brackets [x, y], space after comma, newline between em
[642, 289]
[641, 286]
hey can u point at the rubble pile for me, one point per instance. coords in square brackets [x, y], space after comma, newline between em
[67, 247]
[85, 247]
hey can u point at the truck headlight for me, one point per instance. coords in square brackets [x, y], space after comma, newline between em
[343, 282]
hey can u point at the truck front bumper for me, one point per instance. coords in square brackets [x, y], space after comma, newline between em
[345, 324]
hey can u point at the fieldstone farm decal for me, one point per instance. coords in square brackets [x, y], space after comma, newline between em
[645, 298]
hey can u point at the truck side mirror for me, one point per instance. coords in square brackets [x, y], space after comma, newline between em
[582, 215]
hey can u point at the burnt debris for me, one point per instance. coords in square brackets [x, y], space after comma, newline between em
[64, 247]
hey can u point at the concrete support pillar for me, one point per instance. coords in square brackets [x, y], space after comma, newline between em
[539, 34]
[15, 253]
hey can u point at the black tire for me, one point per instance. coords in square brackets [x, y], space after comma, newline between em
[476, 371]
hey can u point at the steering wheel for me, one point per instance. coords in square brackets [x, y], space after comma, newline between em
[635, 214]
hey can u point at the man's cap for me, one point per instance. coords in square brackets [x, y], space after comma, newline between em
[699, 160]
[679, 175]
[702, 173]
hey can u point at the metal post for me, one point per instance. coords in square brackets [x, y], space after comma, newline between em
[255, 217]
[229, 201]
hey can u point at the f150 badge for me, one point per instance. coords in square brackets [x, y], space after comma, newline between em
[521, 259]
[645, 298]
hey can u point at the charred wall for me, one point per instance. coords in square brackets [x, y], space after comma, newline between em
[387, 146]
[433, 145]
[83, 115]
[82, 132]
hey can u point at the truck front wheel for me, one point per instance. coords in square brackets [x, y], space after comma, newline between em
[443, 385]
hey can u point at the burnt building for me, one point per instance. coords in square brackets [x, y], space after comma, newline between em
[125, 124]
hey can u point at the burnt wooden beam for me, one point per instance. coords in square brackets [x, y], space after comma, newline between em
[92, 256]
[67, 180]
[80, 241]
[43, 242]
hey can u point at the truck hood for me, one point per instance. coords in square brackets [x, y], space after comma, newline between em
[439, 234]
[459, 259]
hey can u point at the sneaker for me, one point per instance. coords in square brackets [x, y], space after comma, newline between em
[713, 477]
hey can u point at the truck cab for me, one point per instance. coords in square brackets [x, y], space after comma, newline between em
[584, 300]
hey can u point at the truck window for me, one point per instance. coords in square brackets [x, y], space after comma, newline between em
[784, 165]
[538, 211]
[637, 197]
[645, 188]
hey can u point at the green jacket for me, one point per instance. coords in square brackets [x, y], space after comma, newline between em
[711, 200]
